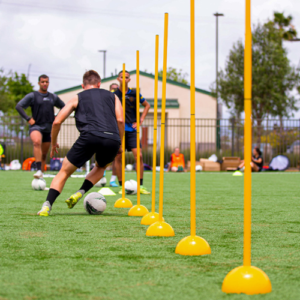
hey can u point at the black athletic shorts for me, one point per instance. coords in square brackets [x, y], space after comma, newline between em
[130, 140]
[87, 145]
[46, 135]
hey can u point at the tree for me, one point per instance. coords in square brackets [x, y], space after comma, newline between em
[13, 87]
[273, 78]
[175, 75]
[286, 29]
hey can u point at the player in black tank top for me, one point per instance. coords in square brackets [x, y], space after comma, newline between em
[99, 119]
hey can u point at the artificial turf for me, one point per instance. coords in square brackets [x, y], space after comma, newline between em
[72, 255]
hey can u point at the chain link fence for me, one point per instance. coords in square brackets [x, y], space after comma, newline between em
[273, 136]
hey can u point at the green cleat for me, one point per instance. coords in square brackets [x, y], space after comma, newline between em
[45, 211]
[144, 191]
[71, 202]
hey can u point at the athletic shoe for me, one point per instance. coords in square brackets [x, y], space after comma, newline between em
[71, 202]
[45, 211]
[38, 174]
[144, 191]
[113, 184]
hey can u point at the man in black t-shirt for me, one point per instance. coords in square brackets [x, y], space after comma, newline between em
[42, 107]
[99, 119]
[130, 127]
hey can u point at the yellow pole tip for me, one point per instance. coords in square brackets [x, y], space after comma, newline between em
[248, 280]
[193, 246]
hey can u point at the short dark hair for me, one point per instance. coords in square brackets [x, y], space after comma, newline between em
[43, 76]
[122, 72]
[112, 85]
[91, 77]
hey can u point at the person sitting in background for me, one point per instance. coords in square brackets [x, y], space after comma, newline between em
[256, 163]
[177, 163]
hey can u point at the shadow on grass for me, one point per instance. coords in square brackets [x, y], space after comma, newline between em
[86, 214]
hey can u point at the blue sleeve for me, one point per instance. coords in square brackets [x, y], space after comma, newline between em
[142, 99]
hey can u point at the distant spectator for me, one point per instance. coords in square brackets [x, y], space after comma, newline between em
[177, 163]
[257, 161]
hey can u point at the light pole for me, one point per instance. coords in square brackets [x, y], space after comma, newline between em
[218, 141]
[104, 61]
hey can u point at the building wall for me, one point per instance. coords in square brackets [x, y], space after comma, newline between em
[205, 109]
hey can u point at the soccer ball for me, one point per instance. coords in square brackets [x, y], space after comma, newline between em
[38, 184]
[129, 167]
[131, 187]
[198, 168]
[94, 203]
[102, 182]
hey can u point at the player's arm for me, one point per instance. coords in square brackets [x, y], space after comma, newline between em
[60, 118]
[58, 102]
[120, 118]
[23, 104]
[146, 109]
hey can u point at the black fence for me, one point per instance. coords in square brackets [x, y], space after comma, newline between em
[224, 138]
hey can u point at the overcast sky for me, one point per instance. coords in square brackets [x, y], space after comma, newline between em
[62, 39]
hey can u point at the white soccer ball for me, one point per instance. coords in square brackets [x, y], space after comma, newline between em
[131, 187]
[94, 203]
[198, 168]
[102, 182]
[129, 167]
[38, 184]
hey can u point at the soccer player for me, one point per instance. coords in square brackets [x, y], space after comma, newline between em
[130, 127]
[99, 119]
[40, 123]
[112, 182]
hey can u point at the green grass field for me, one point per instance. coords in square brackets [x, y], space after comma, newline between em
[72, 255]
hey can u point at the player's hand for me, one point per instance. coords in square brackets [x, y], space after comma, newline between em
[134, 125]
[54, 150]
[120, 150]
[31, 121]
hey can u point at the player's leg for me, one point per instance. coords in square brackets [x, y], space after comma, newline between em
[46, 142]
[254, 167]
[57, 185]
[118, 161]
[113, 177]
[105, 150]
[132, 147]
[36, 138]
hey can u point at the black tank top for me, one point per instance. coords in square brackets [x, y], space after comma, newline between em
[95, 114]
[43, 108]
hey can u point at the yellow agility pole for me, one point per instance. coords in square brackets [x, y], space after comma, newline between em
[193, 245]
[247, 279]
[161, 228]
[138, 210]
[152, 217]
[123, 202]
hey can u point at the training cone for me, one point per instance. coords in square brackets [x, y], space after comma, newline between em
[150, 218]
[193, 245]
[247, 280]
[160, 228]
[123, 203]
[237, 173]
[138, 211]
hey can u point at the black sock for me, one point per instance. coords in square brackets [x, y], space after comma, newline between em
[52, 195]
[120, 182]
[141, 181]
[86, 186]
[39, 165]
[237, 168]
